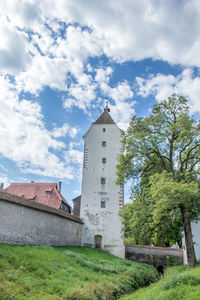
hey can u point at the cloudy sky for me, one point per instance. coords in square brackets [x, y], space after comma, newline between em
[61, 60]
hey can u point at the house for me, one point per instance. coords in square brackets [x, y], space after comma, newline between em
[45, 193]
[101, 198]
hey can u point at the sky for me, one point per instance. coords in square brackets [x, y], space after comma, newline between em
[60, 61]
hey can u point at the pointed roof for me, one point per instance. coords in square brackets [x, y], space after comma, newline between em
[104, 118]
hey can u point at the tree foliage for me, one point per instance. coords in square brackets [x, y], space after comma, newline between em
[161, 156]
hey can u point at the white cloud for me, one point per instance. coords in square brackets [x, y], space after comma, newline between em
[119, 93]
[75, 158]
[4, 177]
[69, 103]
[162, 86]
[103, 75]
[64, 130]
[13, 48]
[137, 29]
[37, 44]
[23, 14]
[84, 95]
[122, 112]
[24, 138]
[43, 71]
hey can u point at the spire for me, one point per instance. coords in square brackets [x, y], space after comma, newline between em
[107, 108]
[105, 117]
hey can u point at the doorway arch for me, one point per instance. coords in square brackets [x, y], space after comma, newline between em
[97, 241]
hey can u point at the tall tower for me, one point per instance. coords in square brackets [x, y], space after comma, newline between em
[102, 198]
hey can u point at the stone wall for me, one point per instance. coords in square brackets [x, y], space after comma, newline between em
[24, 221]
[156, 256]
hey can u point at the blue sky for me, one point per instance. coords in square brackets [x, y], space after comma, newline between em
[61, 60]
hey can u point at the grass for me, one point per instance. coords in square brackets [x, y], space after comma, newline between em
[30, 272]
[178, 283]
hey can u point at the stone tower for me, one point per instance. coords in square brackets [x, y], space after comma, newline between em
[102, 198]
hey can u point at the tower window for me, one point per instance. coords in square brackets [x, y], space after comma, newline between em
[103, 143]
[48, 192]
[104, 129]
[103, 180]
[103, 204]
[104, 160]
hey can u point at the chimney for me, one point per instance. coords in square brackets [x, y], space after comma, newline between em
[59, 186]
[2, 186]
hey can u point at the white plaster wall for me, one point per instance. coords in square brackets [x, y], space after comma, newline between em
[103, 221]
[196, 238]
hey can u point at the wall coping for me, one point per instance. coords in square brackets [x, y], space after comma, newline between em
[4, 196]
[152, 247]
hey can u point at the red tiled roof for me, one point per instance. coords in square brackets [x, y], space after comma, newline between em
[37, 192]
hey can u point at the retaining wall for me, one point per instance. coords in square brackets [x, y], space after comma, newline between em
[156, 256]
[23, 221]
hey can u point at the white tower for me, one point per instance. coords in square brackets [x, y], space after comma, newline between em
[102, 198]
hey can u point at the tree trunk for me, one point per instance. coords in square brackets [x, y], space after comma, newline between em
[179, 244]
[191, 258]
[160, 240]
[161, 236]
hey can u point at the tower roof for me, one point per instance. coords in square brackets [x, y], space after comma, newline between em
[105, 117]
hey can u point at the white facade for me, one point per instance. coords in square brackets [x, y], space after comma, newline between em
[102, 198]
[196, 239]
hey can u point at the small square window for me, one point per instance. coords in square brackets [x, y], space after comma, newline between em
[104, 129]
[103, 180]
[104, 160]
[103, 204]
[48, 192]
[103, 143]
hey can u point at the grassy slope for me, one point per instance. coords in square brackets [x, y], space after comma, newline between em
[178, 283]
[28, 272]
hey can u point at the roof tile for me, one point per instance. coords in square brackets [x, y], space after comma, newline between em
[37, 192]
[104, 118]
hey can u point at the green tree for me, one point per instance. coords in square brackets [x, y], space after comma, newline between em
[166, 142]
[140, 227]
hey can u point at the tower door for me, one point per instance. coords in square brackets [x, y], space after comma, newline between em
[97, 241]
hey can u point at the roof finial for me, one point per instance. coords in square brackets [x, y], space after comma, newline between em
[107, 108]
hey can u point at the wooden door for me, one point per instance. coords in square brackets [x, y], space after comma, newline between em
[97, 241]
